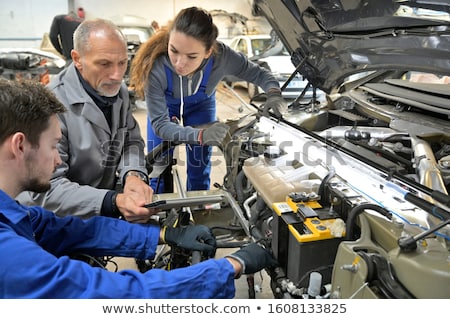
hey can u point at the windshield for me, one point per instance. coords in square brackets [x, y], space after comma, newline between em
[260, 45]
[137, 34]
[420, 13]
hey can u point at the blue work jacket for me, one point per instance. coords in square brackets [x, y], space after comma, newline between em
[35, 243]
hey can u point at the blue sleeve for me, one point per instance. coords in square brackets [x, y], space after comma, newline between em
[213, 278]
[97, 236]
[29, 271]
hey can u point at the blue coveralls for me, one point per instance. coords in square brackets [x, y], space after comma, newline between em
[35, 243]
[197, 109]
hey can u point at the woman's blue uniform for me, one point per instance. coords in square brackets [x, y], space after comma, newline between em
[198, 109]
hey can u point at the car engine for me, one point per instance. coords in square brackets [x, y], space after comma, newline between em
[350, 195]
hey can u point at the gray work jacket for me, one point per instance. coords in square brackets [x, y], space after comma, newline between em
[94, 157]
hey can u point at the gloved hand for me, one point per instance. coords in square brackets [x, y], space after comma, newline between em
[274, 103]
[253, 258]
[192, 237]
[214, 134]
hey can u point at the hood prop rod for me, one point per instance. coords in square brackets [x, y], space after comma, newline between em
[296, 101]
[297, 69]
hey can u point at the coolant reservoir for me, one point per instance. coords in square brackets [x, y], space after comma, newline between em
[274, 179]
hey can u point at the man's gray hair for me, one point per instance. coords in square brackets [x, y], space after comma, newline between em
[81, 35]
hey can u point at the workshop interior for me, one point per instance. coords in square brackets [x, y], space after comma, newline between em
[349, 190]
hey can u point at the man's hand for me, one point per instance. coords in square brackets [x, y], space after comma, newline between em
[192, 237]
[252, 258]
[135, 185]
[136, 194]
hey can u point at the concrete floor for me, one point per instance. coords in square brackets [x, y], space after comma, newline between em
[229, 105]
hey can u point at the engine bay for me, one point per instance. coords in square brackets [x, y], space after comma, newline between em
[353, 192]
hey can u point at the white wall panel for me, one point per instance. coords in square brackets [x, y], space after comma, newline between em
[24, 22]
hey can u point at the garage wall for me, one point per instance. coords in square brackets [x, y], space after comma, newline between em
[24, 22]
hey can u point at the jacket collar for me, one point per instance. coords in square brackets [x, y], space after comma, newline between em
[11, 209]
[98, 99]
[78, 96]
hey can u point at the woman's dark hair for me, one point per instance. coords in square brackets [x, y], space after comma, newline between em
[194, 22]
[197, 23]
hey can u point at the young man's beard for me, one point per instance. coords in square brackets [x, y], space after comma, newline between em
[36, 186]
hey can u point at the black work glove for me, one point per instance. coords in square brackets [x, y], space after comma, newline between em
[253, 258]
[274, 103]
[192, 237]
[214, 134]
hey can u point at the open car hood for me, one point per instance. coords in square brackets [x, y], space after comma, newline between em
[373, 157]
[330, 40]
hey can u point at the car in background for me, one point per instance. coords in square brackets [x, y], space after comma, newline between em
[29, 64]
[137, 30]
[268, 51]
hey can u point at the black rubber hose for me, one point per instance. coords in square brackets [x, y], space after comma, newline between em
[256, 212]
[239, 186]
[427, 206]
[323, 198]
[351, 219]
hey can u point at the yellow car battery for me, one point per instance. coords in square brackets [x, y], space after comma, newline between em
[302, 240]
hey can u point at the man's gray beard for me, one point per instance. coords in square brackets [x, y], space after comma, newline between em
[105, 94]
